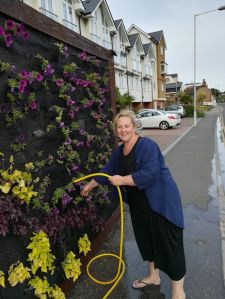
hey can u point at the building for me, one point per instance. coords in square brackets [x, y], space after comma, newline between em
[139, 57]
[173, 87]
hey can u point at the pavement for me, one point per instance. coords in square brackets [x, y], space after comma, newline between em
[195, 157]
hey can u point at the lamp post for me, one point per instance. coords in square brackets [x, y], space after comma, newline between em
[195, 17]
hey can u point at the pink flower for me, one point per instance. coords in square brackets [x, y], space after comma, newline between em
[70, 102]
[9, 24]
[2, 31]
[59, 82]
[39, 77]
[61, 124]
[20, 29]
[24, 74]
[33, 105]
[25, 35]
[83, 56]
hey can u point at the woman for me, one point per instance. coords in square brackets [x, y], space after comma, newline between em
[154, 202]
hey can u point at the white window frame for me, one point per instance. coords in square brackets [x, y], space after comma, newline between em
[69, 16]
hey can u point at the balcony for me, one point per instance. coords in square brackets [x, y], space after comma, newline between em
[95, 38]
[70, 25]
[163, 68]
[106, 44]
[48, 13]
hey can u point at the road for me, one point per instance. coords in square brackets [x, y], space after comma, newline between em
[193, 161]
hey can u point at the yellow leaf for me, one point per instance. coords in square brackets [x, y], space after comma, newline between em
[5, 188]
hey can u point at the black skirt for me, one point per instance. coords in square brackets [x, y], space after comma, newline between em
[158, 240]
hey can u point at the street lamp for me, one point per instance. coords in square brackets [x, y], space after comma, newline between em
[195, 16]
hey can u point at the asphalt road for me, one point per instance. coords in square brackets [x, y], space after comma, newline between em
[193, 161]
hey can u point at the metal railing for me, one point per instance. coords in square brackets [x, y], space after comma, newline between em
[70, 25]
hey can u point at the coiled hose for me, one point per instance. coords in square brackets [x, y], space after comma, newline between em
[121, 265]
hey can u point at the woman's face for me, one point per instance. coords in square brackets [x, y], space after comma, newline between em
[125, 129]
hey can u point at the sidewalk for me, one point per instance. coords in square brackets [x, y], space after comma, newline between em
[202, 236]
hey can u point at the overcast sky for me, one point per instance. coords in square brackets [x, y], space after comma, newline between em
[175, 18]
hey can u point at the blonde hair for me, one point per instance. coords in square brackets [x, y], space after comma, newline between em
[124, 113]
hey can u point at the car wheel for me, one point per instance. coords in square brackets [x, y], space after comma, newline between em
[164, 125]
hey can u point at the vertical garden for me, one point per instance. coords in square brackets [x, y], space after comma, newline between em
[55, 125]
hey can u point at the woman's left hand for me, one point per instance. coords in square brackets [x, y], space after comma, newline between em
[116, 180]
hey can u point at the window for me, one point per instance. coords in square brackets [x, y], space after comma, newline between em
[161, 50]
[162, 87]
[47, 9]
[68, 15]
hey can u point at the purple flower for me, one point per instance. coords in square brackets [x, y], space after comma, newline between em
[39, 77]
[9, 24]
[68, 141]
[74, 167]
[2, 31]
[61, 124]
[83, 56]
[25, 35]
[71, 114]
[33, 105]
[70, 102]
[49, 70]
[66, 199]
[20, 29]
[8, 39]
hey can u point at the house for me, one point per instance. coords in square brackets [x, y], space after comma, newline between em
[149, 70]
[159, 40]
[134, 69]
[203, 93]
[173, 86]
[66, 12]
[120, 45]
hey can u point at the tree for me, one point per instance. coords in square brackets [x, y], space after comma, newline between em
[215, 92]
[185, 98]
[123, 101]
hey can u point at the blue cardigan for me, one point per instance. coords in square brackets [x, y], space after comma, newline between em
[153, 177]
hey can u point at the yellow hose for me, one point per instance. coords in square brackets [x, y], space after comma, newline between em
[121, 265]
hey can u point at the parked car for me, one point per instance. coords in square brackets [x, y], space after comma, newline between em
[178, 109]
[151, 118]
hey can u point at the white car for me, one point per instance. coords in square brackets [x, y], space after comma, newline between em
[151, 118]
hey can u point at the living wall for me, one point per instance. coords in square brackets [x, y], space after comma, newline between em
[55, 125]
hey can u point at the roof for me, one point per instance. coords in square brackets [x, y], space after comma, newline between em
[90, 5]
[117, 23]
[156, 35]
[172, 75]
[133, 38]
[146, 48]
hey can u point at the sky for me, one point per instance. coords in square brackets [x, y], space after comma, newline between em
[176, 19]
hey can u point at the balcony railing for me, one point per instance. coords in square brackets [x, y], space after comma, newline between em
[107, 44]
[163, 68]
[70, 25]
[48, 13]
[95, 38]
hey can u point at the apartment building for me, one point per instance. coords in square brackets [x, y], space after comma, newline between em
[173, 87]
[159, 40]
[139, 58]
